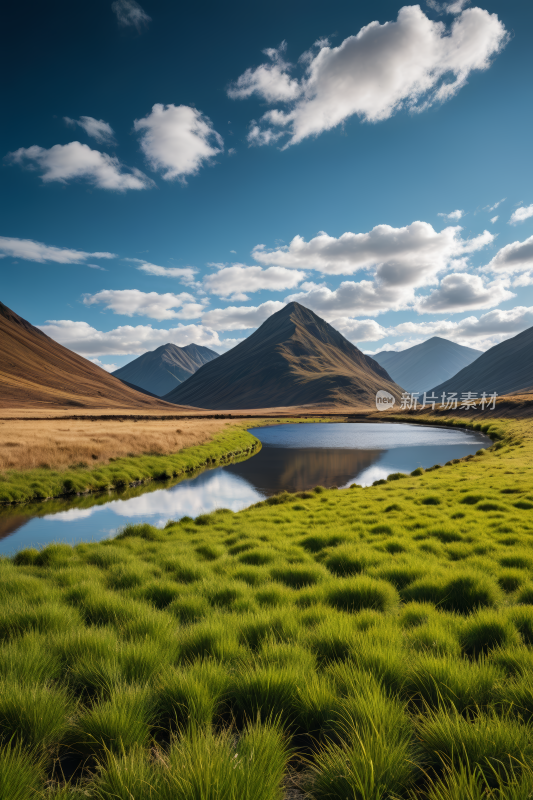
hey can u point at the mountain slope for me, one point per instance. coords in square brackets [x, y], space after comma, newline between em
[37, 372]
[161, 370]
[295, 358]
[419, 368]
[505, 368]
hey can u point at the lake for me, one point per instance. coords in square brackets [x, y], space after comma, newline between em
[293, 458]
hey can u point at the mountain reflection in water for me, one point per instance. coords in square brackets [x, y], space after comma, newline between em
[294, 457]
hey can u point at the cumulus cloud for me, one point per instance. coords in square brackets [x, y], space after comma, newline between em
[133, 302]
[455, 7]
[453, 214]
[184, 274]
[483, 332]
[130, 14]
[461, 292]
[411, 255]
[352, 299]
[232, 282]
[269, 81]
[128, 339]
[68, 162]
[521, 214]
[412, 63]
[513, 258]
[177, 140]
[394, 347]
[400, 261]
[107, 367]
[494, 219]
[236, 318]
[30, 250]
[359, 330]
[97, 128]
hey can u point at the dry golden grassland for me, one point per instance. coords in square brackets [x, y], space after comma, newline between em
[63, 443]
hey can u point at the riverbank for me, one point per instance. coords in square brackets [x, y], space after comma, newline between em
[337, 643]
[116, 455]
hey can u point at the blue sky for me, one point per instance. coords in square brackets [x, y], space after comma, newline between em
[176, 173]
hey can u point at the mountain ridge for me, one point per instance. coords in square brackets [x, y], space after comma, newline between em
[506, 368]
[161, 370]
[422, 366]
[294, 358]
[38, 372]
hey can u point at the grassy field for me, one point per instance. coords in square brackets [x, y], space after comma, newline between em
[367, 643]
[62, 444]
[129, 453]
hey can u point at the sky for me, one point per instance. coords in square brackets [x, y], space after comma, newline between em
[179, 172]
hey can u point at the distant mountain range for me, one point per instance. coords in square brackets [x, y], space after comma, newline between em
[37, 372]
[421, 367]
[295, 358]
[506, 368]
[162, 370]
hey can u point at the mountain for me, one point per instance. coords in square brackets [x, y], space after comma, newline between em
[159, 371]
[295, 358]
[37, 372]
[506, 368]
[419, 368]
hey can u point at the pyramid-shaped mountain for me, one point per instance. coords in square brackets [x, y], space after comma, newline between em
[37, 372]
[506, 368]
[295, 358]
[419, 368]
[162, 370]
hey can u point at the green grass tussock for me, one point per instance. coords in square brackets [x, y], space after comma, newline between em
[372, 644]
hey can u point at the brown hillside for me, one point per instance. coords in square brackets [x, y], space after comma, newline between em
[37, 372]
[507, 368]
[295, 358]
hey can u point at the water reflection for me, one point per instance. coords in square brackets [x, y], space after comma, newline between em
[293, 458]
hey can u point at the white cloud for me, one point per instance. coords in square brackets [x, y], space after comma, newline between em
[490, 209]
[521, 214]
[184, 274]
[177, 140]
[67, 162]
[352, 299]
[97, 266]
[494, 219]
[461, 292]
[132, 302]
[235, 318]
[453, 214]
[483, 332]
[400, 260]
[455, 7]
[128, 339]
[269, 81]
[412, 63]
[234, 281]
[130, 14]
[97, 128]
[107, 367]
[513, 258]
[29, 250]
[395, 347]
[359, 330]
[410, 255]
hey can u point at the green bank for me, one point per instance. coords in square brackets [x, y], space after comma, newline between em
[366, 643]
[41, 484]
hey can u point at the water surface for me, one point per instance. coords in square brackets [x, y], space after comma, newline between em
[293, 458]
